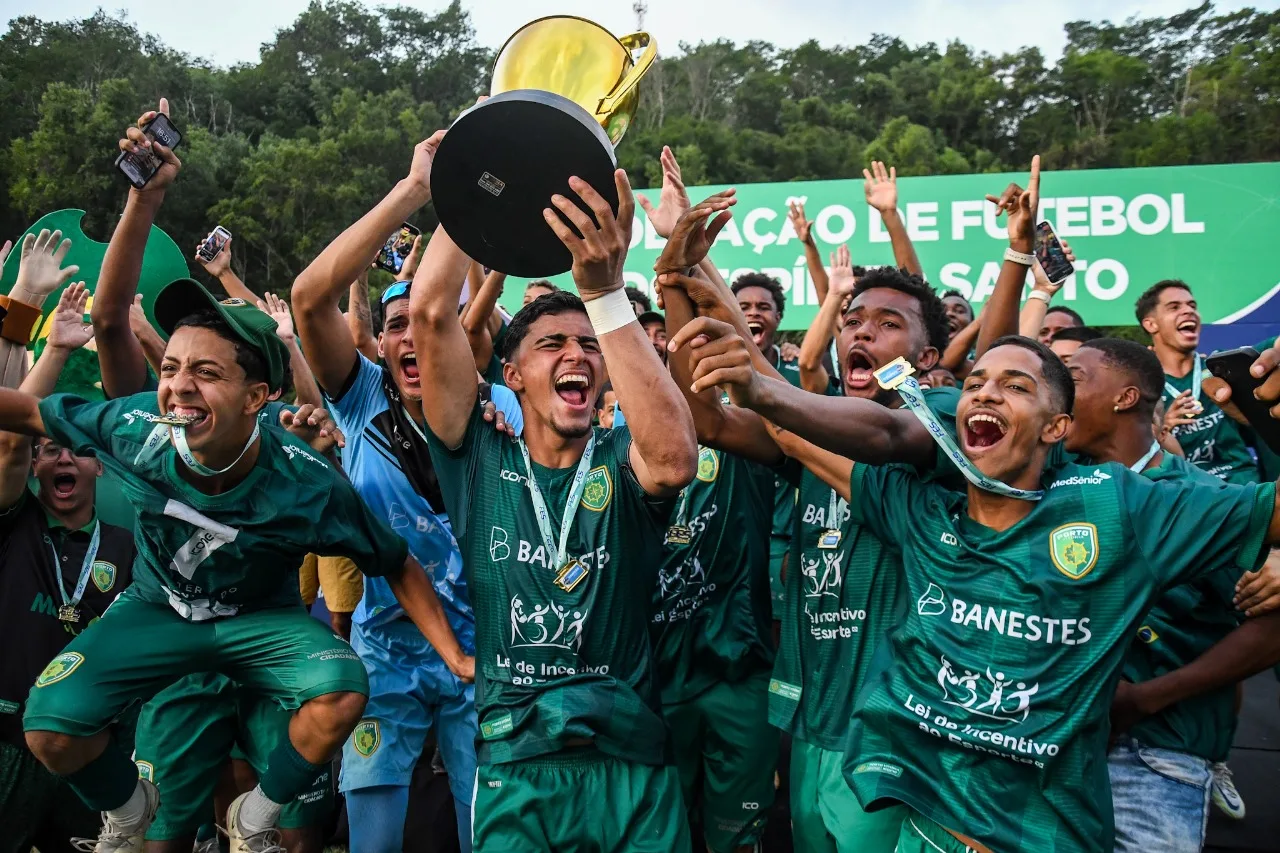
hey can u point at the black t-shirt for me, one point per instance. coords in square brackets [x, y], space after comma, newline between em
[31, 633]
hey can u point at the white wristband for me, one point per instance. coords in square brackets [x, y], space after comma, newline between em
[1019, 257]
[610, 312]
[1039, 294]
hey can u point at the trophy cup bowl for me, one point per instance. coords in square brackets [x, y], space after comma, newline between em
[564, 92]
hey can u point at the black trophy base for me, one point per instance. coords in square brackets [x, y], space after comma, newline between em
[498, 167]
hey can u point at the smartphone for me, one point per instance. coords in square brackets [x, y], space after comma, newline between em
[1053, 260]
[141, 167]
[1232, 367]
[393, 252]
[214, 243]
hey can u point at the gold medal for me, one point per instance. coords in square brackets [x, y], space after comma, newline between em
[678, 534]
[69, 613]
[829, 540]
[571, 575]
[172, 419]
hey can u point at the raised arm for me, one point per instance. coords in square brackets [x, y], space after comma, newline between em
[449, 380]
[475, 319]
[1001, 309]
[148, 338]
[220, 268]
[832, 469]
[120, 356]
[317, 292]
[304, 382]
[1042, 292]
[360, 317]
[958, 348]
[812, 259]
[857, 429]
[817, 340]
[40, 272]
[664, 447]
[881, 188]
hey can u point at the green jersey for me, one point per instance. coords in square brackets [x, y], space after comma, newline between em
[216, 555]
[560, 657]
[784, 494]
[1212, 442]
[1184, 623]
[840, 601]
[712, 621]
[988, 708]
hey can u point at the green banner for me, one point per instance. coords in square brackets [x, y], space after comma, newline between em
[1216, 227]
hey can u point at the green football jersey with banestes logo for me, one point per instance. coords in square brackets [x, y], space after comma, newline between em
[1213, 442]
[561, 656]
[1184, 623]
[211, 556]
[840, 601]
[988, 707]
[712, 620]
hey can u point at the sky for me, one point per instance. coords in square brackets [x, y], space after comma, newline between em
[231, 31]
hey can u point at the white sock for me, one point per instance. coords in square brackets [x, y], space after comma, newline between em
[132, 815]
[258, 813]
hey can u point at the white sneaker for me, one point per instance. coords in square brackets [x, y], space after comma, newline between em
[1224, 793]
[266, 841]
[209, 845]
[112, 839]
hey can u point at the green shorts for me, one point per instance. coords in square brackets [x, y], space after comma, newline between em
[727, 753]
[187, 733]
[37, 808]
[919, 834]
[138, 648]
[578, 800]
[825, 815]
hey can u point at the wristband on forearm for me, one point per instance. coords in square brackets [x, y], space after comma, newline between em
[610, 312]
[19, 320]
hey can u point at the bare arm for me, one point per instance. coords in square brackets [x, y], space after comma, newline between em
[476, 318]
[449, 379]
[304, 382]
[414, 592]
[1002, 308]
[812, 259]
[317, 292]
[40, 272]
[360, 318]
[833, 470]
[881, 188]
[957, 352]
[813, 374]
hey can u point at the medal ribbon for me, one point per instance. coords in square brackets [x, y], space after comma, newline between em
[85, 570]
[570, 508]
[833, 520]
[1141, 464]
[1197, 373]
[165, 431]
[913, 397]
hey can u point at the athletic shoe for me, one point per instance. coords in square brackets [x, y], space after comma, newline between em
[209, 845]
[1224, 793]
[266, 841]
[112, 839]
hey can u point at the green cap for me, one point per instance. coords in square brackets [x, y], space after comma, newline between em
[255, 328]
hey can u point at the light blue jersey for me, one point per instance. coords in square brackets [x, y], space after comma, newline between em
[375, 469]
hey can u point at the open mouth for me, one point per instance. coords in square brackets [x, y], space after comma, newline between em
[1190, 326]
[955, 323]
[858, 370]
[64, 485]
[195, 418]
[572, 388]
[409, 367]
[756, 329]
[983, 430]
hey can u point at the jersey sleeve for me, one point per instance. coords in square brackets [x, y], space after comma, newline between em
[1187, 529]
[348, 528]
[362, 398]
[84, 426]
[882, 497]
[456, 469]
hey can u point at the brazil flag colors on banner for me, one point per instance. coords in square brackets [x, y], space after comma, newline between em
[1214, 226]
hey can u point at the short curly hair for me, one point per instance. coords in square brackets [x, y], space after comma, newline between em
[767, 282]
[937, 330]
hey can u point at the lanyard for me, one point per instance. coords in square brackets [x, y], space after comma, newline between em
[682, 511]
[85, 570]
[570, 508]
[833, 521]
[408, 417]
[1197, 373]
[1139, 466]
[897, 374]
[165, 431]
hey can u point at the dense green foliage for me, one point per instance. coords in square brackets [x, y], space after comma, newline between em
[288, 151]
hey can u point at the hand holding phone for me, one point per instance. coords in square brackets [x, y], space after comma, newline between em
[392, 255]
[147, 150]
[214, 243]
[1051, 254]
[1232, 367]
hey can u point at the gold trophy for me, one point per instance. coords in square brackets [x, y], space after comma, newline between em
[564, 92]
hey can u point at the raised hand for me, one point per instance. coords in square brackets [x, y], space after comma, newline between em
[279, 311]
[1042, 281]
[673, 200]
[708, 299]
[221, 262]
[68, 330]
[841, 280]
[314, 426]
[719, 357]
[598, 255]
[691, 239]
[40, 270]
[423, 155]
[803, 227]
[788, 352]
[4, 251]
[881, 186]
[1021, 205]
[1267, 369]
[137, 142]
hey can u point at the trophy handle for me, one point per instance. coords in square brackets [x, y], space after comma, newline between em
[629, 82]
